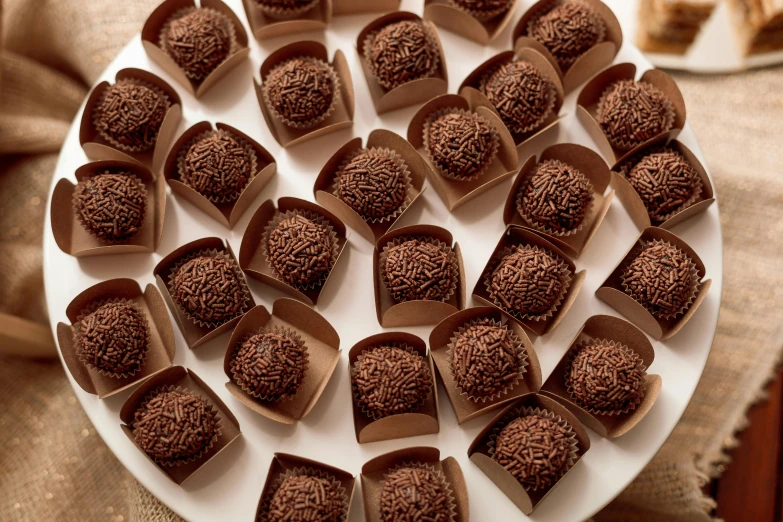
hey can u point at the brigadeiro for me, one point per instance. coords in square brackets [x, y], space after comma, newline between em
[301, 247]
[209, 288]
[631, 113]
[271, 364]
[661, 278]
[555, 198]
[217, 165]
[419, 269]
[416, 492]
[306, 495]
[111, 206]
[302, 92]
[568, 31]
[374, 183]
[606, 377]
[523, 96]
[483, 10]
[114, 339]
[402, 52]
[198, 40]
[285, 9]
[175, 426]
[129, 114]
[460, 144]
[389, 380]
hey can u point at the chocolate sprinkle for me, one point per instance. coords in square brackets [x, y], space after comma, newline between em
[414, 494]
[301, 91]
[631, 113]
[483, 9]
[521, 94]
[420, 270]
[129, 115]
[114, 338]
[568, 31]
[198, 42]
[486, 360]
[534, 449]
[606, 377]
[390, 380]
[659, 278]
[402, 52]
[372, 184]
[217, 167]
[209, 290]
[304, 498]
[300, 250]
[665, 182]
[528, 281]
[174, 426]
[270, 365]
[111, 206]
[555, 197]
[461, 144]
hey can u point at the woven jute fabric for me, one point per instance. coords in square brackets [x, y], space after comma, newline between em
[53, 466]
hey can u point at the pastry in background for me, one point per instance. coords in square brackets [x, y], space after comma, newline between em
[759, 24]
[671, 26]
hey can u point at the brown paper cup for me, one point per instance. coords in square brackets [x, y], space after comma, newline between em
[432, 241]
[483, 16]
[452, 503]
[282, 13]
[432, 40]
[263, 512]
[80, 188]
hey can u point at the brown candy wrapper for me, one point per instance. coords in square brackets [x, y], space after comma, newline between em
[265, 27]
[281, 13]
[480, 29]
[353, 7]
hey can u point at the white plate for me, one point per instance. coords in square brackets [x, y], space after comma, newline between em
[228, 487]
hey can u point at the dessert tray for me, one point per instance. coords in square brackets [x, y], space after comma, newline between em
[228, 487]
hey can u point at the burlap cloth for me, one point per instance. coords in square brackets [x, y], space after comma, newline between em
[53, 466]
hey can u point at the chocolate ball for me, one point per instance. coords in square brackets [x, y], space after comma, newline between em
[606, 378]
[528, 281]
[486, 360]
[305, 498]
[483, 10]
[665, 182]
[217, 167]
[111, 206]
[198, 42]
[659, 278]
[114, 338]
[414, 493]
[373, 184]
[300, 250]
[631, 113]
[568, 31]
[129, 115]
[270, 365]
[301, 91]
[535, 450]
[389, 380]
[523, 96]
[402, 52]
[208, 289]
[461, 144]
[555, 197]
[174, 426]
[419, 270]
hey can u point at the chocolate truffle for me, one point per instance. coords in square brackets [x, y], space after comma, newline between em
[175, 426]
[114, 338]
[389, 380]
[529, 281]
[270, 365]
[301, 91]
[305, 498]
[198, 42]
[660, 279]
[483, 10]
[402, 52]
[461, 144]
[606, 377]
[631, 113]
[568, 31]
[373, 184]
[555, 198]
[523, 96]
[665, 182]
[415, 493]
[208, 289]
[111, 206]
[419, 270]
[300, 250]
[129, 115]
[535, 450]
[486, 360]
[218, 167]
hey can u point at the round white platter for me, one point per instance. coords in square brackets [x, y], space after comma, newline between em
[228, 487]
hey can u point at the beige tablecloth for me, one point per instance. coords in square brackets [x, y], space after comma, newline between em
[53, 466]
